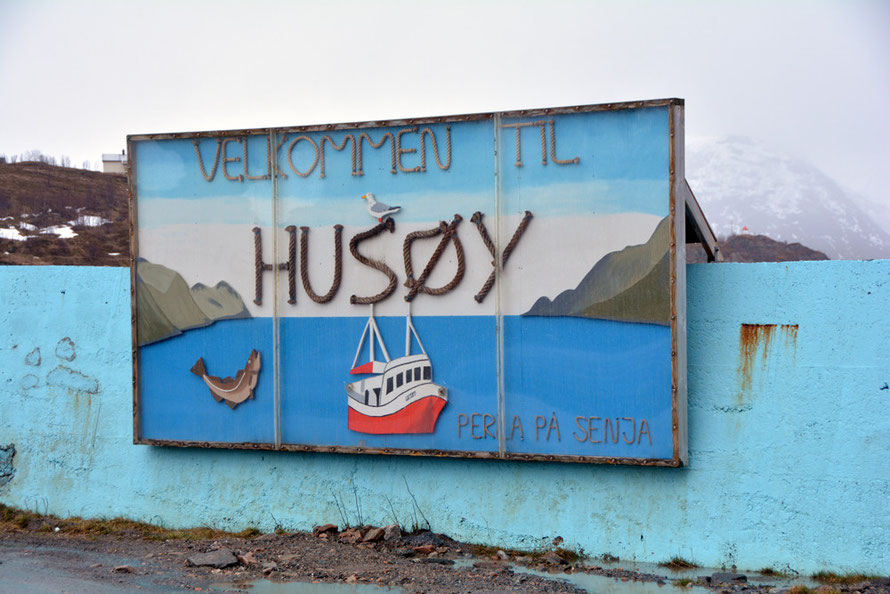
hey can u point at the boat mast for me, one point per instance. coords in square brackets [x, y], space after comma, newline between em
[377, 335]
[372, 329]
[409, 330]
[372, 325]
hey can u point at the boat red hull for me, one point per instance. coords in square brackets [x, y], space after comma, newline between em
[417, 417]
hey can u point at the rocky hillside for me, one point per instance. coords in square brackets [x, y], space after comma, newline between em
[61, 215]
[756, 248]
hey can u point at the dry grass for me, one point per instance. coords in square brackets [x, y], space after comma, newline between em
[16, 519]
[678, 564]
[800, 589]
[484, 550]
[91, 247]
[32, 187]
[568, 555]
[43, 195]
[847, 579]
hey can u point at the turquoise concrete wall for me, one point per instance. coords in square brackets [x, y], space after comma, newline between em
[789, 435]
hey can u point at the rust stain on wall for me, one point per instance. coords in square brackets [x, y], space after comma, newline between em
[790, 333]
[754, 337]
[751, 336]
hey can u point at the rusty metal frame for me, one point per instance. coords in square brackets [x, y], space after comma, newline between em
[408, 121]
[134, 248]
[682, 207]
[677, 170]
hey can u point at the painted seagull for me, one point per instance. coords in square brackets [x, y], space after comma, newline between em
[379, 210]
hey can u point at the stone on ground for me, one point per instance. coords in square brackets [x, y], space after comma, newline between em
[219, 558]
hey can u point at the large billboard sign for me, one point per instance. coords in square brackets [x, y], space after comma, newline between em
[501, 285]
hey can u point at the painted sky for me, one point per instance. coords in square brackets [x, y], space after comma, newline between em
[622, 166]
[811, 77]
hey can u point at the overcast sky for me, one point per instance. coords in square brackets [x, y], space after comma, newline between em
[811, 78]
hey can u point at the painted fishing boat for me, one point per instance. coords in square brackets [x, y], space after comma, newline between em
[399, 395]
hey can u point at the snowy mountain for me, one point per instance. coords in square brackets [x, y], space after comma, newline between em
[741, 183]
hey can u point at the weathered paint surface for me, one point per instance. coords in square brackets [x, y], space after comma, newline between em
[788, 433]
[7, 466]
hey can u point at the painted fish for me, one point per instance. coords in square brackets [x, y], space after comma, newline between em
[235, 390]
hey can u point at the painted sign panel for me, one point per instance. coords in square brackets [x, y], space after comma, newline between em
[497, 285]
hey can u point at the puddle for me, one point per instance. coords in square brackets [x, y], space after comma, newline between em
[754, 578]
[38, 569]
[464, 562]
[269, 587]
[601, 584]
[590, 582]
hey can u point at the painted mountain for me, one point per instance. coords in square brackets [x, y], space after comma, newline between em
[630, 285]
[167, 306]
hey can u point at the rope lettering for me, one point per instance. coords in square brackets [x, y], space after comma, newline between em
[449, 233]
[387, 225]
[416, 285]
[486, 239]
[338, 264]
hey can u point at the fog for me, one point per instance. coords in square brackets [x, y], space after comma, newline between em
[811, 78]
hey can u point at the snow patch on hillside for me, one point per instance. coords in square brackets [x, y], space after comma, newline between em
[740, 182]
[12, 233]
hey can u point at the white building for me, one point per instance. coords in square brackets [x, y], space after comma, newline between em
[114, 163]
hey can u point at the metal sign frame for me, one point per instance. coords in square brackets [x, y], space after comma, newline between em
[677, 212]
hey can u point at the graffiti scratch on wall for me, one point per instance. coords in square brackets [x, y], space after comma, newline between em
[61, 376]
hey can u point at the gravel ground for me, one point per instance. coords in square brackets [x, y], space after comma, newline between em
[44, 560]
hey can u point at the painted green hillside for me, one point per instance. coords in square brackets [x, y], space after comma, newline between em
[166, 306]
[629, 285]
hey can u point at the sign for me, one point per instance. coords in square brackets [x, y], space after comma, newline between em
[501, 285]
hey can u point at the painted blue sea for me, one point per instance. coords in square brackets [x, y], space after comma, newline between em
[573, 386]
